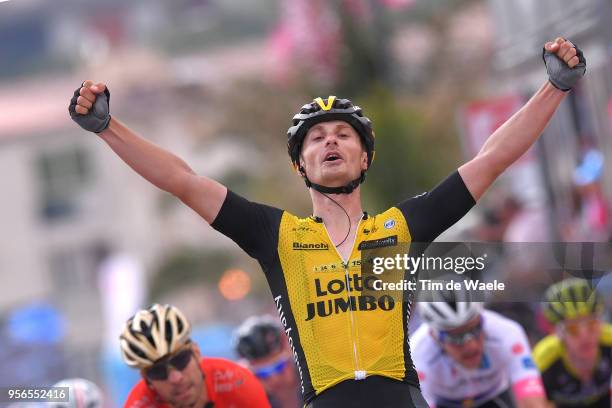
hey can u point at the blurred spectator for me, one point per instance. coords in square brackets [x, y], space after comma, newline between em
[591, 218]
[513, 221]
[495, 220]
[530, 224]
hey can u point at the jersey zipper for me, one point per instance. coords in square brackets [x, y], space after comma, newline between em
[359, 373]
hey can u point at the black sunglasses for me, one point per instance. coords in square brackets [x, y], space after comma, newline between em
[160, 370]
[459, 339]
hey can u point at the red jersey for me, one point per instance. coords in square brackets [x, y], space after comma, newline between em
[228, 385]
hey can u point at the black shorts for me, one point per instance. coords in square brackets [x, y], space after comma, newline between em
[374, 391]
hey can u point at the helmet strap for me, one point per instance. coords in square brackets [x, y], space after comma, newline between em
[345, 189]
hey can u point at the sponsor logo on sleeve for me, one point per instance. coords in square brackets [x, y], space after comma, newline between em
[528, 362]
[517, 348]
[390, 223]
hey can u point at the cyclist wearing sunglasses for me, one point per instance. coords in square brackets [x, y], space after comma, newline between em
[469, 357]
[576, 361]
[262, 344]
[157, 341]
[348, 348]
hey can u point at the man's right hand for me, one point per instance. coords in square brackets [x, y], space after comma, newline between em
[89, 106]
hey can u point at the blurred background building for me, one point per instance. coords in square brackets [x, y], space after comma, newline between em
[582, 124]
[86, 241]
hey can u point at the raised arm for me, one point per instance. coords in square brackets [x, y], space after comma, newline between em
[89, 108]
[510, 141]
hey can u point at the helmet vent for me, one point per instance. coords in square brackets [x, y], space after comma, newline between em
[137, 351]
[435, 309]
[169, 332]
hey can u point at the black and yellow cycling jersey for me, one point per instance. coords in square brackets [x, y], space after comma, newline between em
[562, 384]
[336, 331]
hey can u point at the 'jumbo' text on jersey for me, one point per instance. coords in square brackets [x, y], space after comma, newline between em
[506, 364]
[228, 384]
[563, 387]
[335, 331]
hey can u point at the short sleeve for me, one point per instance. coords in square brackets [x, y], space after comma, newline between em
[431, 213]
[521, 361]
[253, 226]
[231, 385]
[524, 375]
[421, 352]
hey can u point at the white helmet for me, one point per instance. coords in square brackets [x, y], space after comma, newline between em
[81, 394]
[449, 309]
[152, 334]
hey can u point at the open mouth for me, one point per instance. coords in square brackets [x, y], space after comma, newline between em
[332, 157]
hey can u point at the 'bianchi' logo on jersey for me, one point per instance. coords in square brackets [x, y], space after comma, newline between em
[301, 246]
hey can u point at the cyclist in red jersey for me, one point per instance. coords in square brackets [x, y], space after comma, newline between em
[157, 341]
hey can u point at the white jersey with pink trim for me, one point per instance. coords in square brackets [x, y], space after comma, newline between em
[506, 365]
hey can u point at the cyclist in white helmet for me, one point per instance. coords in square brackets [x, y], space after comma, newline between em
[82, 393]
[466, 356]
[157, 341]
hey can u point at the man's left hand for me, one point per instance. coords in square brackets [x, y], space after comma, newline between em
[564, 62]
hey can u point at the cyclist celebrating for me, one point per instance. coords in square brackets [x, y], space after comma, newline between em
[469, 357]
[260, 342]
[347, 347]
[576, 362]
[157, 341]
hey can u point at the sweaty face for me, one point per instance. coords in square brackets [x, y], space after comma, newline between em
[468, 354]
[332, 154]
[581, 337]
[183, 388]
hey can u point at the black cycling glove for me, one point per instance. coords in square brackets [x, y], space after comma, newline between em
[560, 74]
[98, 117]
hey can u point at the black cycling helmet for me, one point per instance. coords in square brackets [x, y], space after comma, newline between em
[258, 337]
[320, 110]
